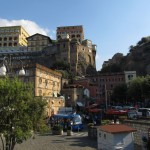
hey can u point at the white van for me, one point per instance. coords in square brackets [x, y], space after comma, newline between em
[143, 112]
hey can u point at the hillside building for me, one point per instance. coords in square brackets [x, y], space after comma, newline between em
[74, 32]
[38, 42]
[13, 38]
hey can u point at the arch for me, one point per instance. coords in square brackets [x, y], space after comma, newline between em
[5, 38]
[10, 44]
[78, 35]
[15, 44]
[73, 36]
[89, 59]
[58, 36]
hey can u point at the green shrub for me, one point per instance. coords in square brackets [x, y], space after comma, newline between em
[104, 122]
[69, 128]
[57, 127]
[90, 125]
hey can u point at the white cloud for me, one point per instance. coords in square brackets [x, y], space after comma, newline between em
[30, 26]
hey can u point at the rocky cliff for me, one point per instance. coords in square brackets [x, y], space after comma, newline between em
[138, 58]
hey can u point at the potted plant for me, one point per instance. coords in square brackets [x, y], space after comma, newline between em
[57, 129]
[69, 131]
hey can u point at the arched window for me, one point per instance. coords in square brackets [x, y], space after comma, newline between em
[58, 36]
[5, 38]
[40, 92]
[78, 35]
[10, 38]
[89, 59]
[10, 44]
[5, 44]
[73, 36]
[46, 82]
[15, 38]
[40, 80]
[15, 44]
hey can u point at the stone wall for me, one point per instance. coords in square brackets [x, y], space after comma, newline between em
[142, 127]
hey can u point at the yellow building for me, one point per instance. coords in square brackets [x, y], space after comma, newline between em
[47, 83]
[12, 37]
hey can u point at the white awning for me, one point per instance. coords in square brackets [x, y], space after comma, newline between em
[80, 104]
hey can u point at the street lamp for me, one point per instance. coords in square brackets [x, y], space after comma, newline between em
[7, 66]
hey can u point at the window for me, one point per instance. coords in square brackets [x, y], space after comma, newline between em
[15, 38]
[73, 36]
[40, 92]
[5, 44]
[46, 82]
[15, 44]
[5, 38]
[40, 80]
[10, 38]
[130, 77]
[0, 39]
[104, 136]
[100, 134]
[10, 44]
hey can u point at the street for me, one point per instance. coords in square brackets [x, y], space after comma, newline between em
[79, 140]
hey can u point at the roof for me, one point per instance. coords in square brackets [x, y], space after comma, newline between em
[39, 35]
[116, 128]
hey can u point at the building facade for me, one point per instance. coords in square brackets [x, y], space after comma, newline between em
[108, 81]
[74, 32]
[73, 93]
[40, 49]
[47, 83]
[79, 56]
[13, 37]
[38, 42]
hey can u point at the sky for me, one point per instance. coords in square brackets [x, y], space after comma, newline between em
[113, 25]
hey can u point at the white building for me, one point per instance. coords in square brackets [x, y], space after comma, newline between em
[129, 76]
[115, 137]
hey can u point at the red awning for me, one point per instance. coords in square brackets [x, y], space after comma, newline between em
[95, 110]
[92, 106]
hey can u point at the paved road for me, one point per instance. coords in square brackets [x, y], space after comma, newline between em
[78, 141]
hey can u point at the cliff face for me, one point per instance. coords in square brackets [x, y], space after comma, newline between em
[138, 59]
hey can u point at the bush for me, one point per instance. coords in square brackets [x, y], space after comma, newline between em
[57, 127]
[104, 122]
[90, 125]
[69, 128]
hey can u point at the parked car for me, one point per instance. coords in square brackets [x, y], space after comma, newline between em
[129, 108]
[132, 114]
[116, 110]
[143, 112]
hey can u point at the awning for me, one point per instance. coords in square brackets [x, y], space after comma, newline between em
[80, 104]
[95, 110]
[92, 106]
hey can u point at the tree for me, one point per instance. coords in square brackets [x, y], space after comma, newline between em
[20, 111]
[119, 93]
[111, 68]
[146, 87]
[135, 91]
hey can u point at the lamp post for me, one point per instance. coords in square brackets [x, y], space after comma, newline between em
[7, 65]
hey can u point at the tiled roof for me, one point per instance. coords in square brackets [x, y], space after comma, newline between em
[116, 128]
